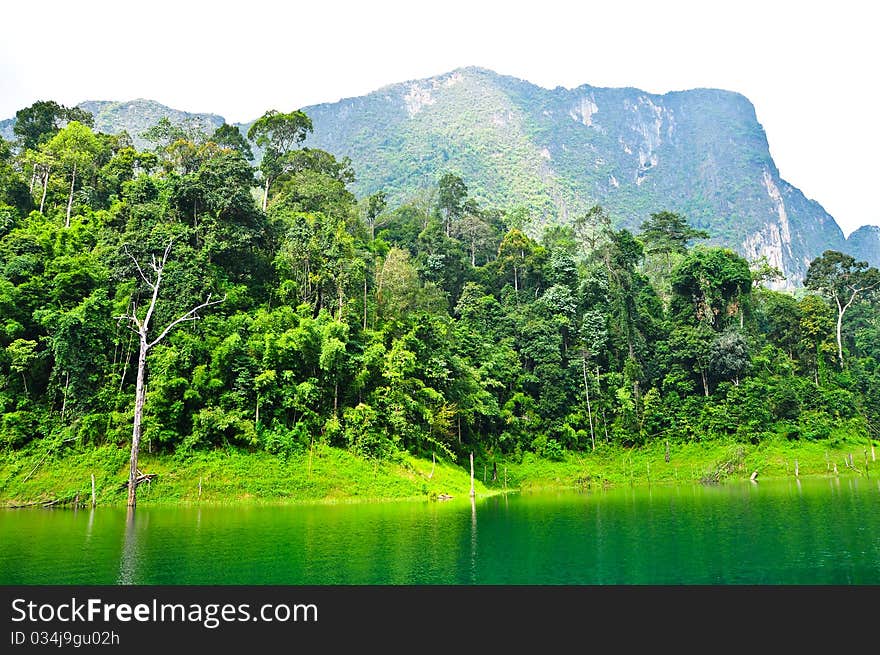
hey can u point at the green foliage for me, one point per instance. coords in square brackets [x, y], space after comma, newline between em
[36, 124]
[439, 326]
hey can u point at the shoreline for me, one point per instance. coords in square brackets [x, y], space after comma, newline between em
[327, 475]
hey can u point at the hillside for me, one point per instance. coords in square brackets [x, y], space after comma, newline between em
[557, 152]
[700, 152]
[137, 116]
[864, 244]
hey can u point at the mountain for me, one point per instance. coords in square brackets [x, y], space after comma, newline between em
[864, 244]
[557, 152]
[137, 116]
[700, 152]
[6, 126]
[134, 117]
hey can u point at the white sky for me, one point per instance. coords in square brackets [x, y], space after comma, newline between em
[810, 68]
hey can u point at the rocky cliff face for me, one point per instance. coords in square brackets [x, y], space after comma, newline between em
[864, 244]
[700, 152]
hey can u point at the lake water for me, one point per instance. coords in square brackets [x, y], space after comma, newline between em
[816, 531]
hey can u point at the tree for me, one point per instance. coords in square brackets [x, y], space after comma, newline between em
[516, 253]
[730, 356]
[763, 271]
[399, 290]
[75, 147]
[375, 205]
[22, 355]
[839, 277]
[141, 327]
[313, 180]
[277, 134]
[667, 233]
[710, 286]
[230, 136]
[593, 334]
[591, 227]
[475, 231]
[36, 124]
[451, 196]
[14, 191]
[621, 254]
[815, 324]
[691, 346]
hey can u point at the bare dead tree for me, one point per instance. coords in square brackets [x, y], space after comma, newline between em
[141, 327]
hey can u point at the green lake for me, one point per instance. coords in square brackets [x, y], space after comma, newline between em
[812, 531]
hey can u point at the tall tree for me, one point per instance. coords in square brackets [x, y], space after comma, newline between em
[230, 136]
[277, 134]
[591, 227]
[710, 285]
[666, 236]
[75, 148]
[38, 123]
[666, 233]
[451, 196]
[141, 327]
[374, 205]
[840, 278]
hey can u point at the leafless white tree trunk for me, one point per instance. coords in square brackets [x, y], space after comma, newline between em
[141, 327]
[587, 391]
[70, 196]
[46, 172]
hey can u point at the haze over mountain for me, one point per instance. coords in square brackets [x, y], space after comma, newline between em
[557, 152]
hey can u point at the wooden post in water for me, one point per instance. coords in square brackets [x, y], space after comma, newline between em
[472, 474]
[200, 487]
[873, 456]
[93, 490]
[433, 464]
[484, 474]
[666, 457]
[796, 469]
[505, 476]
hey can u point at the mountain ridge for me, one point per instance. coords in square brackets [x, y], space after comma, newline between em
[701, 152]
[624, 148]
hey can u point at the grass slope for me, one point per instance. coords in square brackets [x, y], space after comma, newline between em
[330, 474]
[335, 475]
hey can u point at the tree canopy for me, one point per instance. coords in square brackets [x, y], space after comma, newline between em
[438, 325]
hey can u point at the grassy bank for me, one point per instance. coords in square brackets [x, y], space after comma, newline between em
[711, 461]
[333, 475]
[328, 474]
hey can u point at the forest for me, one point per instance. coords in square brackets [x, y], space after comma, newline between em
[208, 302]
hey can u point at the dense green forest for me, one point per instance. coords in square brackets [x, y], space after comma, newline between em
[437, 326]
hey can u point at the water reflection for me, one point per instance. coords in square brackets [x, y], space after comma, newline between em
[473, 579]
[90, 525]
[129, 561]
